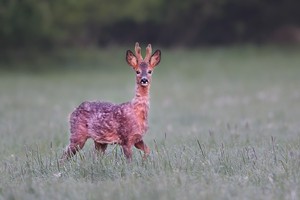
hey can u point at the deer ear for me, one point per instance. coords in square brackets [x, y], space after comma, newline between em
[131, 59]
[155, 58]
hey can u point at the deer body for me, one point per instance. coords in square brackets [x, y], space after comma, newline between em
[124, 124]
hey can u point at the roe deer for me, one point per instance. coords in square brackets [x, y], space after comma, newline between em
[124, 124]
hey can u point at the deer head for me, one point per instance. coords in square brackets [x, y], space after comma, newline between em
[143, 67]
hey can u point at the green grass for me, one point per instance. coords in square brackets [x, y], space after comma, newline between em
[224, 124]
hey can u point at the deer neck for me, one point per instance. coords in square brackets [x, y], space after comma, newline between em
[141, 102]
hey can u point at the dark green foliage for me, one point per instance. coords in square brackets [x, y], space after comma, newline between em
[48, 23]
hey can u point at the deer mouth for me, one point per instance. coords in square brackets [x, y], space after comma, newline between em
[144, 82]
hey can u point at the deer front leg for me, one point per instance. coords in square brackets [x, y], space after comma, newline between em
[142, 146]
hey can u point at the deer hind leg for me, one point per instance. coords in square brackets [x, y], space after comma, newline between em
[100, 147]
[142, 146]
[77, 141]
[127, 149]
[73, 147]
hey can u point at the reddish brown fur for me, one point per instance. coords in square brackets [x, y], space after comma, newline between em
[124, 124]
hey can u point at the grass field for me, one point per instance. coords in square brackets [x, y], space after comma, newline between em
[224, 124]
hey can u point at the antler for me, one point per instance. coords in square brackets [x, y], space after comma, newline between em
[138, 52]
[148, 52]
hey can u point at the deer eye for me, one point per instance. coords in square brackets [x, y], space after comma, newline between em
[149, 72]
[138, 72]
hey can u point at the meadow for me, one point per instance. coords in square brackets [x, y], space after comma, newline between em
[224, 124]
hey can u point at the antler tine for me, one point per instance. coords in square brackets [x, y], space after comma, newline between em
[148, 52]
[138, 51]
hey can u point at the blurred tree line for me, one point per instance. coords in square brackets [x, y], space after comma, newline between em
[56, 23]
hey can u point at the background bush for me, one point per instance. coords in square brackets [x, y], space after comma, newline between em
[53, 23]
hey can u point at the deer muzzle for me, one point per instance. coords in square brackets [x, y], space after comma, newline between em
[144, 81]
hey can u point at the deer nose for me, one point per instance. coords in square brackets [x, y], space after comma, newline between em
[144, 81]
